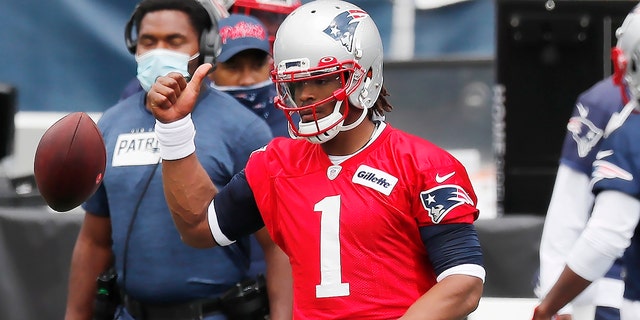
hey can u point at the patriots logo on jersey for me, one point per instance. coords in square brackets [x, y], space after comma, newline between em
[584, 132]
[442, 199]
[343, 27]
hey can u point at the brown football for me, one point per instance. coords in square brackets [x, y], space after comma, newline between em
[70, 161]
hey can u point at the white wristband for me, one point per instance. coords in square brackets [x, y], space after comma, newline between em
[176, 139]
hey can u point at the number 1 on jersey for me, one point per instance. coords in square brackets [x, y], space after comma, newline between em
[331, 284]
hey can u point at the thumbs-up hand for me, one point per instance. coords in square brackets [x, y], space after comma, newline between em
[171, 98]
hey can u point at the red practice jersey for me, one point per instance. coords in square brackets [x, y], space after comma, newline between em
[352, 230]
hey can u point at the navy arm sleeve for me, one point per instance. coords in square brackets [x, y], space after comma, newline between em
[236, 209]
[450, 245]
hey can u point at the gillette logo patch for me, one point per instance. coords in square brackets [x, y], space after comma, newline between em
[375, 179]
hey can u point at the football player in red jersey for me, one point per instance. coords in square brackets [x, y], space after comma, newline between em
[377, 223]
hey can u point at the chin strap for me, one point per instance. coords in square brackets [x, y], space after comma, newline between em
[355, 123]
[332, 120]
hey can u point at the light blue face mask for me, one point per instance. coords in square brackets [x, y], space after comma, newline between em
[160, 62]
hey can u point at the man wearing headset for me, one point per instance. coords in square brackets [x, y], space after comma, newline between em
[377, 223]
[127, 222]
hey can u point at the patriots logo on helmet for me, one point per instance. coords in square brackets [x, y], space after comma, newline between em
[439, 201]
[583, 131]
[343, 27]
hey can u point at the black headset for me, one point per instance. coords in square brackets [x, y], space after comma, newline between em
[210, 42]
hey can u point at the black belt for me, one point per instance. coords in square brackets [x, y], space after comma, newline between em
[182, 311]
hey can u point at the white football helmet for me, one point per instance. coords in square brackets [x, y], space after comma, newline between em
[626, 54]
[323, 38]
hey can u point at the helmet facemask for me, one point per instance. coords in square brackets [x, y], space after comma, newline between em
[322, 39]
[632, 74]
[347, 74]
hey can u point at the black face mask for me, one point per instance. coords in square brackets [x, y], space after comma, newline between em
[258, 98]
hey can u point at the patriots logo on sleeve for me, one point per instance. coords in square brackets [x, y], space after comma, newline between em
[440, 200]
[343, 27]
[603, 169]
[583, 131]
